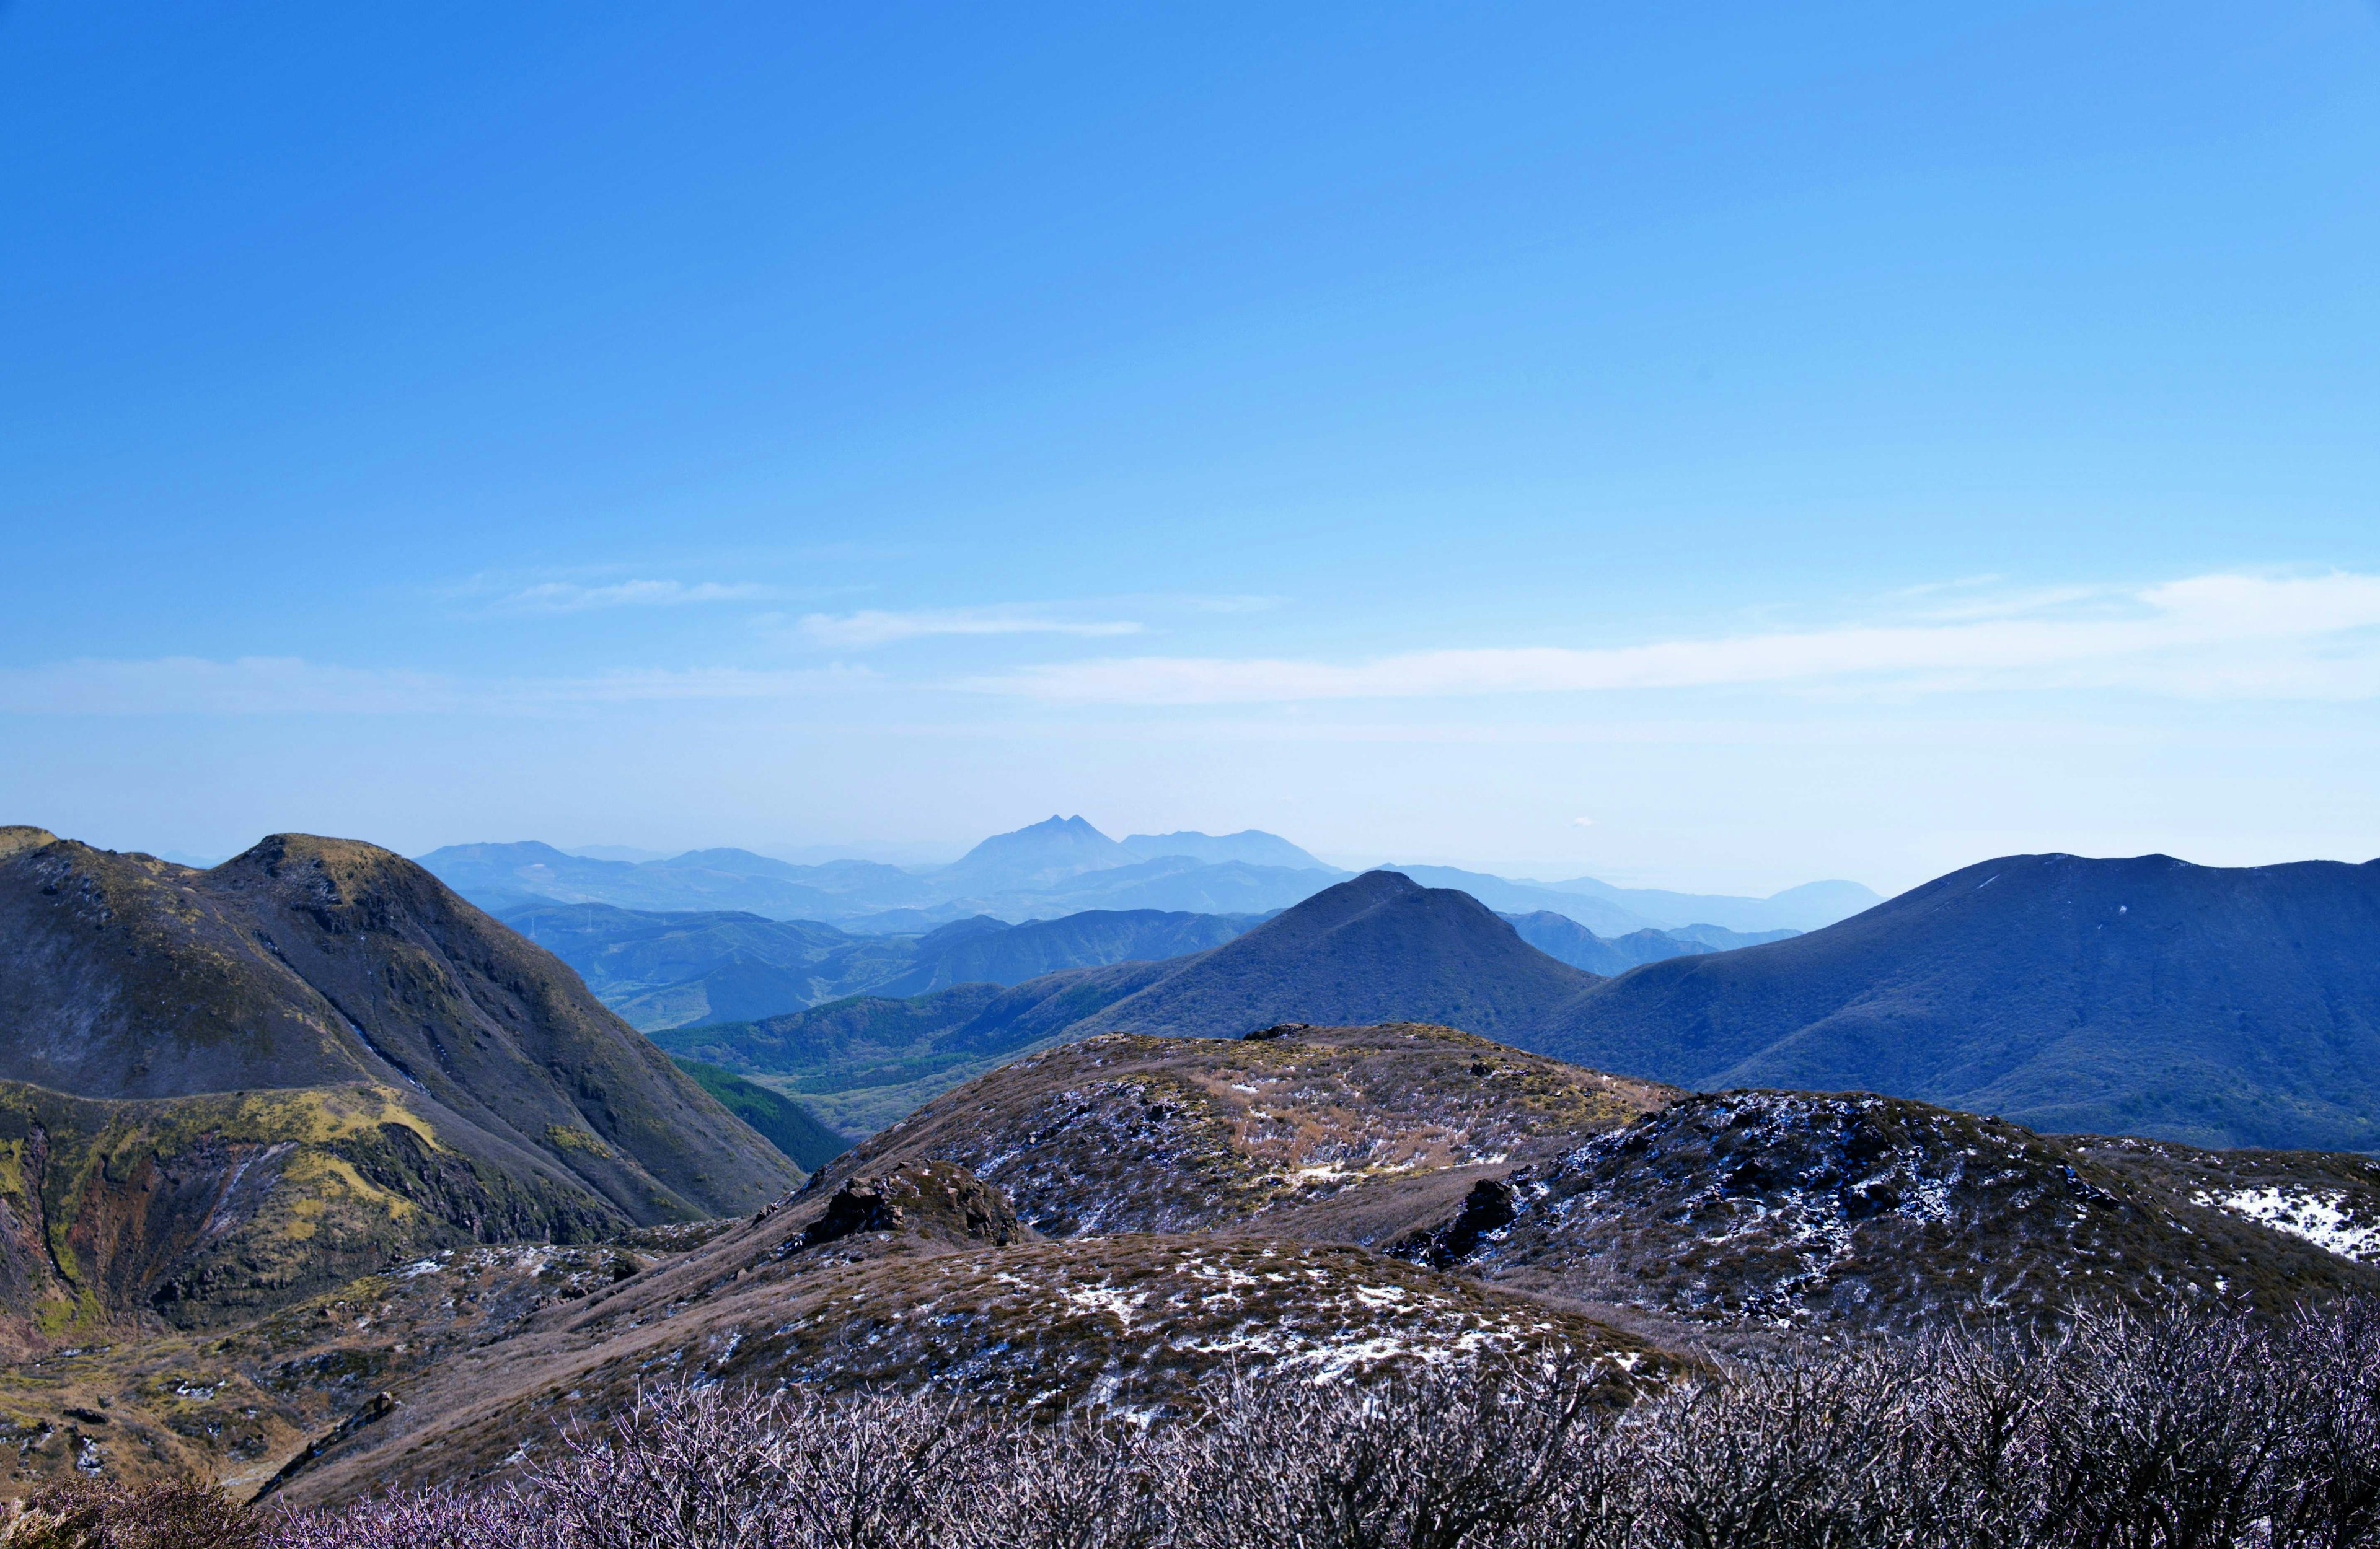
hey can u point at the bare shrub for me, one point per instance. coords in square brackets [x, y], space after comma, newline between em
[1434, 1459]
[2325, 1380]
[100, 1514]
[427, 1519]
[2121, 1432]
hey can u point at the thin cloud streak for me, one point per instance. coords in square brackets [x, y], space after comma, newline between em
[872, 627]
[564, 597]
[2222, 636]
[290, 685]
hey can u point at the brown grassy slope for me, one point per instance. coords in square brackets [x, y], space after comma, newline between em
[1786, 1210]
[1132, 1319]
[1345, 1131]
[194, 1048]
[498, 1029]
[233, 1406]
[1797, 1210]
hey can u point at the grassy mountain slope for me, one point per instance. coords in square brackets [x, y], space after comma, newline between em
[785, 1123]
[1012, 954]
[1377, 949]
[1797, 1210]
[861, 1063]
[306, 976]
[1745, 1209]
[1128, 1132]
[2145, 996]
[948, 1295]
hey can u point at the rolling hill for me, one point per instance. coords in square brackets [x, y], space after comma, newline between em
[2150, 997]
[2143, 997]
[663, 969]
[1064, 866]
[1775, 1209]
[1565, 940]
[220, 1088]
[1374, 948]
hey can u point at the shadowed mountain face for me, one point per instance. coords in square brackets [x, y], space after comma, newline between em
[2139, 997]
[672, 970]
[1374, 948]
[321, 1024]
[1380, 948]
[2147, 995]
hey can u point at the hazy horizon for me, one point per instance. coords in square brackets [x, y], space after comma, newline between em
[1712, 452]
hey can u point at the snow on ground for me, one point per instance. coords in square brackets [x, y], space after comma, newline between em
[2313, 1215]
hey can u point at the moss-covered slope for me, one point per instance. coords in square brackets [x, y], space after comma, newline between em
[315, 1043]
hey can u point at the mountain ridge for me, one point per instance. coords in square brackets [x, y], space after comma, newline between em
[1065, 865]
[314, 1025]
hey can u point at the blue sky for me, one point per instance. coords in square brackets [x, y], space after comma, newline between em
[1708, 445]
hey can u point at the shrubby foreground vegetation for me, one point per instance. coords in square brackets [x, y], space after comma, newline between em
[2121, 1432]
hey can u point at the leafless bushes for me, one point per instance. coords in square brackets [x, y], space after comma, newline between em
[2122, 1433]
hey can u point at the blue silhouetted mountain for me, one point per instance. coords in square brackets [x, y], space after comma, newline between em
[1380, 948]
[1065, 866]
[663, 969]
[1032, 858]
[1564, 939]
[1249, 846]
[2217, 1006]
[1807, 907]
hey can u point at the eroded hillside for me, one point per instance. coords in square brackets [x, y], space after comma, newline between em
[228, 1088]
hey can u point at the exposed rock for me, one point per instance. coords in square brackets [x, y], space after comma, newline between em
[940, 1198]
[1805, 1210]
[1488, 1208]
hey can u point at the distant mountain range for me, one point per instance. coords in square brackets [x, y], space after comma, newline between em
[662, 970]
[2143, 997]
[1063, 866]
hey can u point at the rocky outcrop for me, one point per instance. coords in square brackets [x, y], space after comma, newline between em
[935, 1199]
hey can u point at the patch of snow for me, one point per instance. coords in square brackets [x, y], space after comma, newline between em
[1116, 1302]
[2312, 1216]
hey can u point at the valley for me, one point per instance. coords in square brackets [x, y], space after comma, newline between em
[319, 1179]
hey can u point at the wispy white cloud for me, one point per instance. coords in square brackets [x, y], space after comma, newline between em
[569, 597]
[289, 685]
[876, 627]
[2225, 635]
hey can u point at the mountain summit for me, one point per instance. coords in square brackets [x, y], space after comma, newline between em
[302, 1060]
[1034, 857]
[1380, 948]
[2220, 1006]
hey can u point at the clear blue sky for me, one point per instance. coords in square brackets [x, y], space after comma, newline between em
[1797, 441]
